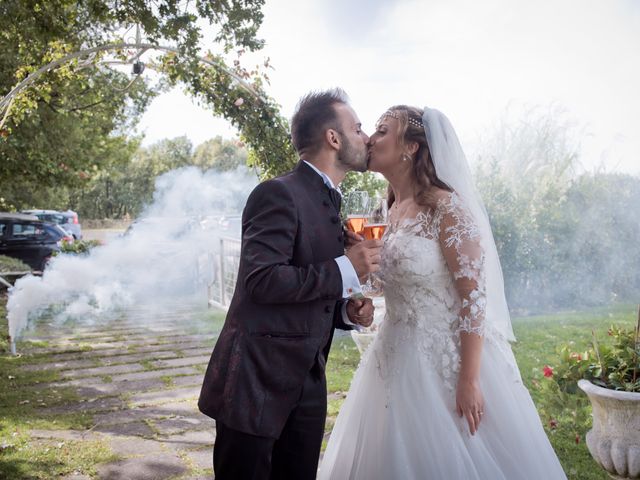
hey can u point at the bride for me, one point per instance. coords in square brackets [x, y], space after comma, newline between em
[438, 394]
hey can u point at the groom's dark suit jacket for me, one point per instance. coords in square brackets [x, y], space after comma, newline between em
[286, 304]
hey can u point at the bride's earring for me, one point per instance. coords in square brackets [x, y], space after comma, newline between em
[405, 157]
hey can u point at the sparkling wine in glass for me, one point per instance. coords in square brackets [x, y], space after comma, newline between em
[374, 228]
[374, 231]
[377, 221]
[356, 209]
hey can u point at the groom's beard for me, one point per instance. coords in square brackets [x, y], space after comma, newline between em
[352, 158]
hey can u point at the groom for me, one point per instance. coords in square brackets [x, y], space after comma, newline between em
[265, 384]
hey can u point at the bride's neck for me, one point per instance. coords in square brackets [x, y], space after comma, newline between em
[403, 189]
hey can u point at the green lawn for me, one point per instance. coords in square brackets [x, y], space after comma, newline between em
[21, 457]
[538, 337]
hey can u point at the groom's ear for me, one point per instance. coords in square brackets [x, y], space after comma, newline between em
[333, 138]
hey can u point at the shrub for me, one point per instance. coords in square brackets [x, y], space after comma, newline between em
[10, 264]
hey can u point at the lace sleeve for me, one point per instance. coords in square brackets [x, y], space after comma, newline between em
[460, 242]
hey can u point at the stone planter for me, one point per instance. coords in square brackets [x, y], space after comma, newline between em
[614, 440]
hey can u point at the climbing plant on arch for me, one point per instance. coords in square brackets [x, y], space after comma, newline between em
[50, 120]
[232, 94]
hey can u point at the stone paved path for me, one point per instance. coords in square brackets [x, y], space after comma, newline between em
[139, 379]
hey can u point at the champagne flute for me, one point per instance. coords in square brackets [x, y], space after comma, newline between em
[374, 228]
[356, 210]
[377, 220]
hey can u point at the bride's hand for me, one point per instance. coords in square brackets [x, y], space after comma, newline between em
[470, 403]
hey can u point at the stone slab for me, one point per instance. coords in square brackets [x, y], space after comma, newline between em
[149, 467]
[153, 374]
[167, 410]
[138, 357]
[65, 364]
[172, 426]
[99, 404]
[165, 396]
[181, 362]
[192, 439]
[128, 446]
[139, 429]
[201, 458]
[186, 380]
[102, 371]
[115, 388]
[204, 343]
[65, 434]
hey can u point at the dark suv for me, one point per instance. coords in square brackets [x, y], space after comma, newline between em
[28, 239]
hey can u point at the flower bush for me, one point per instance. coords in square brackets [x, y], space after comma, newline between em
[614, 364]
[78, 247]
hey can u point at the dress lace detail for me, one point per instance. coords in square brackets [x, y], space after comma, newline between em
[465, 257]
[434, 286]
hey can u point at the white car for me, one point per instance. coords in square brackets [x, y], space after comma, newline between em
[67, 220]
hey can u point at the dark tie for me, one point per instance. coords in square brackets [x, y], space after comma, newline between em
[336, 198]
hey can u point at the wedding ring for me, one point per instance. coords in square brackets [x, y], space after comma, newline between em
[480, 413]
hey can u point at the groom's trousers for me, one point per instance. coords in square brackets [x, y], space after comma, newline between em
[292, 456]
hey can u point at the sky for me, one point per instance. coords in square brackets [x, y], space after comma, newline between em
[473, 60]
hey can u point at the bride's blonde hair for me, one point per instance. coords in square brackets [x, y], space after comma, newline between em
[411, 130]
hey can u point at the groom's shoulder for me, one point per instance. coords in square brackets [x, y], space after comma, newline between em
[279, 186]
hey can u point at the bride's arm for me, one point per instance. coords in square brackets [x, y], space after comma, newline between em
[460, 243]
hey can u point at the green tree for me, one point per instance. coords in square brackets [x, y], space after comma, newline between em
[219, 154]
[565, 240]
[67, 118]
[126, 189]
[369, 182]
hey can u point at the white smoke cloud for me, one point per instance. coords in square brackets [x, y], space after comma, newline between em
[166, 254]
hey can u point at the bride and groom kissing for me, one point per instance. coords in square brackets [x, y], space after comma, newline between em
[438, 394]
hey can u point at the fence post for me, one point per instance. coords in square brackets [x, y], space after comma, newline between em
[223, 301]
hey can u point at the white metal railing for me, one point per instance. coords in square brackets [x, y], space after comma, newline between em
[224, 264]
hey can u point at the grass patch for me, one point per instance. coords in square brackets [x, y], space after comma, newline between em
[168, 381]
[538, 338]
[343, 361]
[24, 400]
[147, 365]
[23, 407]
[28, 458]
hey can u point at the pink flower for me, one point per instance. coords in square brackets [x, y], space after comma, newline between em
[547, 371]
[553, 423]
[239, 102]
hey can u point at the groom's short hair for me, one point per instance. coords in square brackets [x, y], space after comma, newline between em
[314, 114]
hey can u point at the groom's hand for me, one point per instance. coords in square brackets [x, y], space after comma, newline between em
[360, 311]
[365, 257]
[352, 238]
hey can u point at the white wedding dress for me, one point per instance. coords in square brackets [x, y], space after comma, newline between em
[399, 419]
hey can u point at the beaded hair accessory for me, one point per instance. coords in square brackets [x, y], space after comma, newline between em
[411, 121]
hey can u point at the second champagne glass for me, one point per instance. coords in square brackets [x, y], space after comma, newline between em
[377, 220]
[374, 228]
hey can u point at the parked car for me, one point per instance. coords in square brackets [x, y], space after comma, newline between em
[67, 220]
[29, 239]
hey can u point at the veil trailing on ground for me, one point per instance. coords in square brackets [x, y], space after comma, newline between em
[452, 168]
